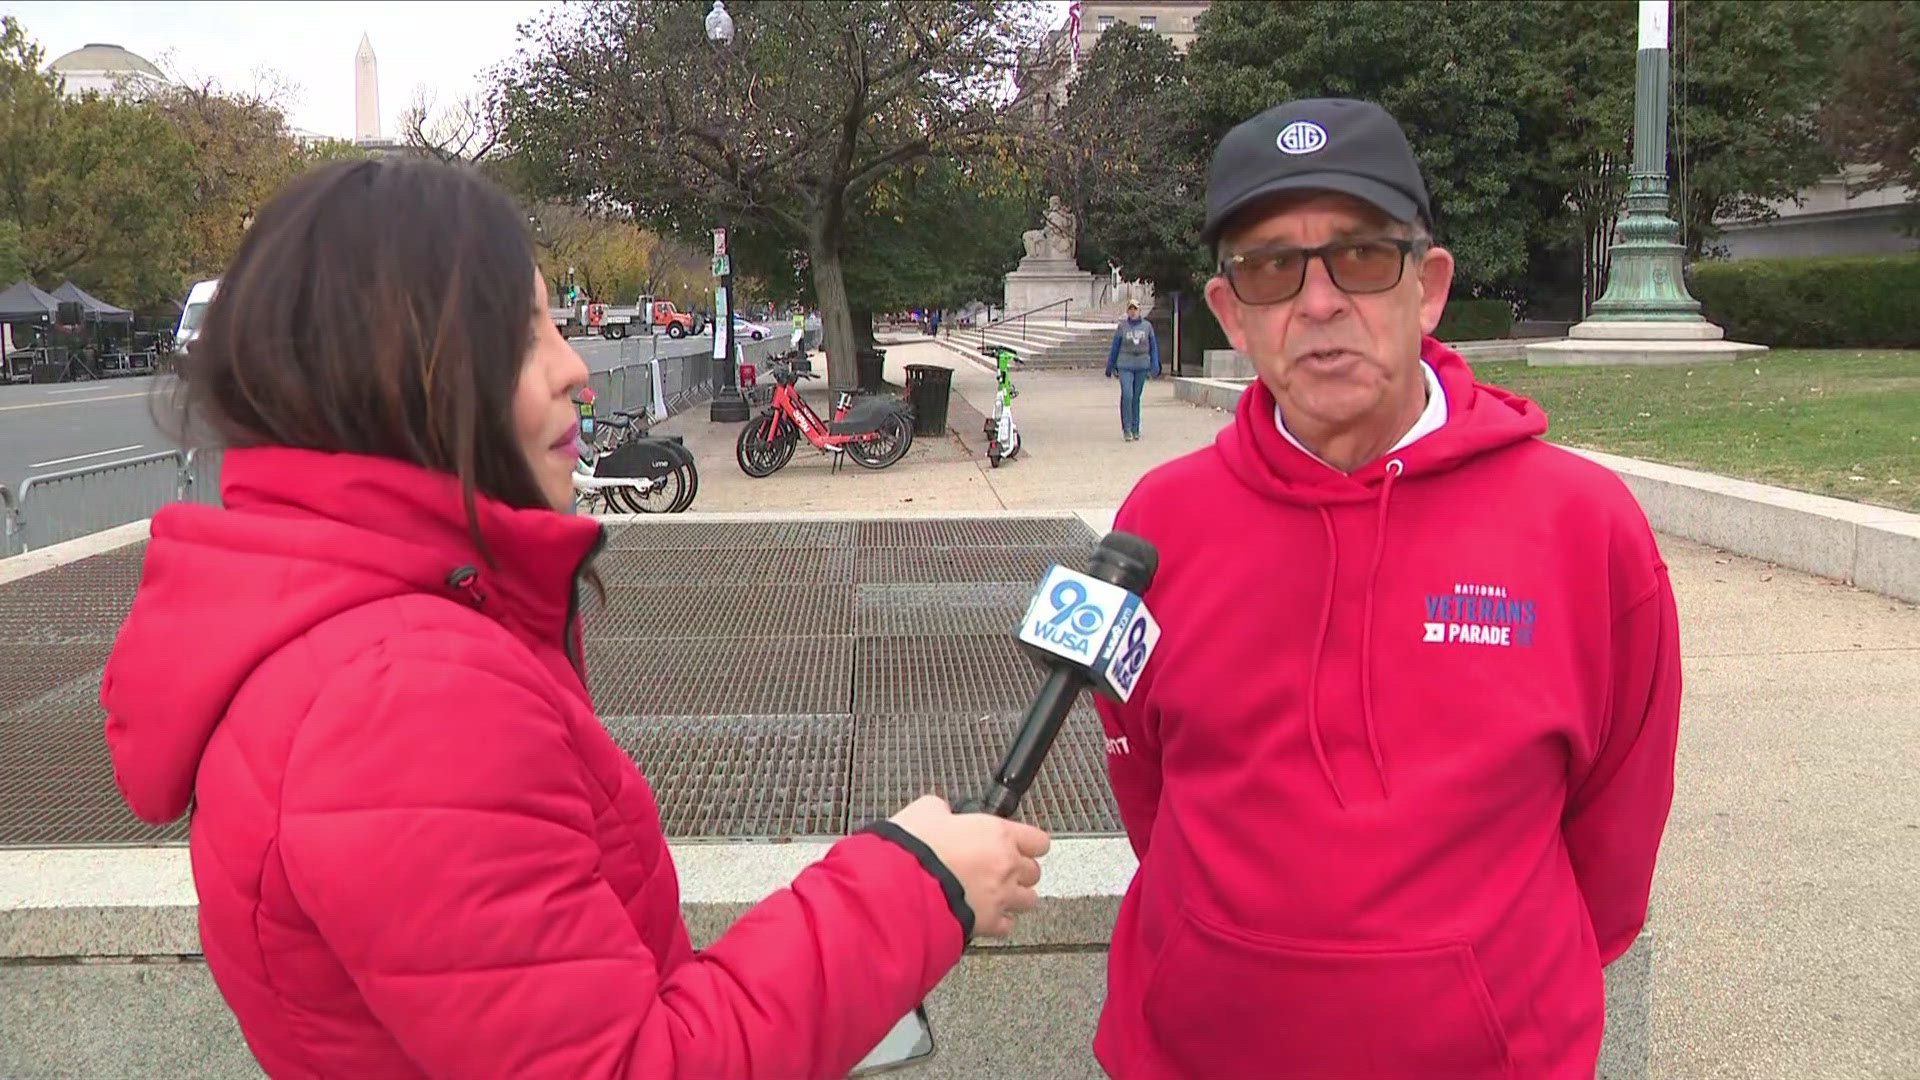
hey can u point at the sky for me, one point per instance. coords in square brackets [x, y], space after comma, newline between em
[443, 48]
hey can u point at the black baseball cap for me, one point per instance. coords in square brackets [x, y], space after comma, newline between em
[1321, 144]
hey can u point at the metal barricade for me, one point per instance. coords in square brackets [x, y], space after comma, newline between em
[684, 381]
[60, 506]
[9, 523]
[625, 388]
[200, 476]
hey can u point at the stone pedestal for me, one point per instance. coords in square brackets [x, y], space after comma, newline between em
[1629, 342]
[1039, 282]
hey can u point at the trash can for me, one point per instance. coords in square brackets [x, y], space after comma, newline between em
[929, 386]
[871, 366]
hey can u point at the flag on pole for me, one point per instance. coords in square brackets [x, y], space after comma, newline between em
[1073, 28]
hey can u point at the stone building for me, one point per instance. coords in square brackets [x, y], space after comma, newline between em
[107, 69]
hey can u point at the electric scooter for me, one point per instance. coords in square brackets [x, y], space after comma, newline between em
[1003, 435]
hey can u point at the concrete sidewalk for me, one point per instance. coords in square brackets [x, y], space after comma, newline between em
[1071, 452]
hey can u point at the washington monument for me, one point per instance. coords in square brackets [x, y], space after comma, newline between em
[366, 93]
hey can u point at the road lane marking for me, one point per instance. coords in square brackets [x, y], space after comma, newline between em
[75, 390]
[75, 401]
[83, 457]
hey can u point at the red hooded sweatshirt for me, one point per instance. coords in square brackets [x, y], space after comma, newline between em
[417, 851]
[1399, 767]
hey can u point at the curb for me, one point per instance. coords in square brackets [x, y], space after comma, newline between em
[85, 547]
[1870, 547]
[135, 902]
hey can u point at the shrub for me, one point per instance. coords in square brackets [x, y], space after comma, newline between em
[1826, 302]
[1475, 320]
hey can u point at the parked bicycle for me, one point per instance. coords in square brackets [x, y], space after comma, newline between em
[875, 431]
[622, 470]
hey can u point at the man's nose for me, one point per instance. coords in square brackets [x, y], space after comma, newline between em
[1320, 299]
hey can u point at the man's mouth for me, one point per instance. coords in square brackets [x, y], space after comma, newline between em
[1325, 357]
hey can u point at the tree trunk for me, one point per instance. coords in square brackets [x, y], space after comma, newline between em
[836, 321]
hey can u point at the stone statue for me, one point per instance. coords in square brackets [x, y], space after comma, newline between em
[1055, 237]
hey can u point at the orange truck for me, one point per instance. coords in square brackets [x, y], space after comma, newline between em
[661, 317]
[649, 316]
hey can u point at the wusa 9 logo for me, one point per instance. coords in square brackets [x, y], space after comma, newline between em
[1095, 624]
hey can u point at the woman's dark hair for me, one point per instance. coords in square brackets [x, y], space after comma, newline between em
[376, 307]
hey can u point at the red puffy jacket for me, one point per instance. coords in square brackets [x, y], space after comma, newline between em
[417, 851]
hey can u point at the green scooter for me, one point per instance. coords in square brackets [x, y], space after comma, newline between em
[1003, 436]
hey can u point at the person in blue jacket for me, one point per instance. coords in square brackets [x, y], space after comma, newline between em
[1135, 356]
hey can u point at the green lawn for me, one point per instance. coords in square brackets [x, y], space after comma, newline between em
[1833, 421]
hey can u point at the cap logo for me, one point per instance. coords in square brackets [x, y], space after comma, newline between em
[1301, 137]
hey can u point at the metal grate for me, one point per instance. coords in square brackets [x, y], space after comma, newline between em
[717, 677]
[667, 533]
[80, 602]
[73, 702]
[723, 611]
[743, 777]
[28, 671]
[56, 789]
[899, 758]
[923, 675]
[975, 532]
[1006, 564]
[940, 609]
[723, 566]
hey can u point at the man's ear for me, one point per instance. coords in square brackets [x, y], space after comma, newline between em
[1436, 281]
[1226, 310]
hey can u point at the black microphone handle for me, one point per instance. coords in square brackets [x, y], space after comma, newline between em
[1031, 741]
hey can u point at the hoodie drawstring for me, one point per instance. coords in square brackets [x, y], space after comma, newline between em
[1394, 469]
[1319, 647]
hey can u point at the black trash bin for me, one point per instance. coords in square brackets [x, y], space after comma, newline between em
[871, 369]
[929, 387]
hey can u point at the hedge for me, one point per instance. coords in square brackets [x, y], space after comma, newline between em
[1475, 320]
[1826, 302]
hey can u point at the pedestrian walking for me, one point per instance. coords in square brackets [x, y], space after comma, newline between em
[416, 850]
[1134, 358]
[1399, 770]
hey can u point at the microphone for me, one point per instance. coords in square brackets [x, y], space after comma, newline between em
[1090, 630]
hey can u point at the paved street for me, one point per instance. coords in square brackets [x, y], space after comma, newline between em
[60, 426]
[51, 428]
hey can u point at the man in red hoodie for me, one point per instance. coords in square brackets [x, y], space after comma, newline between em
[1398, 771]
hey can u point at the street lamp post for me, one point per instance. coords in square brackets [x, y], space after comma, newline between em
[1646, 283]
[1646, 316]
[729, 406]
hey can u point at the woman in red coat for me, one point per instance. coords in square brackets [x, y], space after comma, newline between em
[417, 851]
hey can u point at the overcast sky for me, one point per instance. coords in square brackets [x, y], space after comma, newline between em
[442, 47]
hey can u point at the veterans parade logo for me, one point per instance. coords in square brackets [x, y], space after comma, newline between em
[1478, 615]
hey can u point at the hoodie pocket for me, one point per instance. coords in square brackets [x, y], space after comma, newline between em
[1225, 1002]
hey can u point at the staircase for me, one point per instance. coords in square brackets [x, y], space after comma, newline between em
[1050, 338]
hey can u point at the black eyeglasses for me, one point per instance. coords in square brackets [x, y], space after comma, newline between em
[1277, 273]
